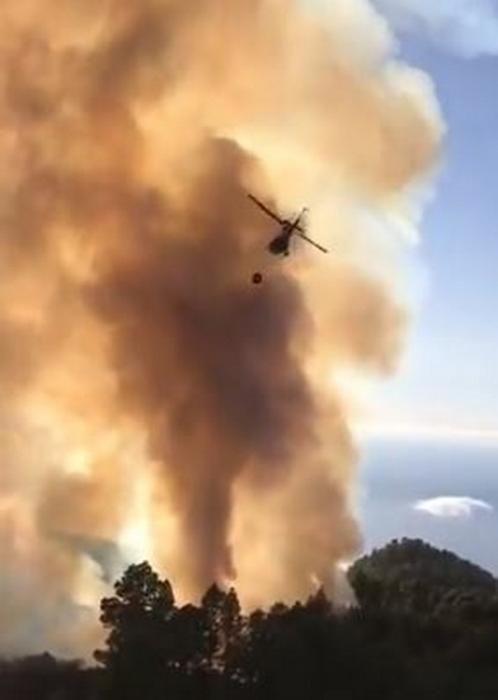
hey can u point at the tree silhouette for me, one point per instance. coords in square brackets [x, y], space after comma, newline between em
[140, 646]
[223, 628]
[425, 628]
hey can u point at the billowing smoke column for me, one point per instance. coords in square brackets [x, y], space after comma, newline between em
[153, 402]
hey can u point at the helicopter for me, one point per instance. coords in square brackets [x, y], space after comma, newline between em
[280, 244]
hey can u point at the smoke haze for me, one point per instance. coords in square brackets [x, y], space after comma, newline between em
[153, 402]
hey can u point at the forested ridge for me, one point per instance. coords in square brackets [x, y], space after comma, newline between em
[425, 626]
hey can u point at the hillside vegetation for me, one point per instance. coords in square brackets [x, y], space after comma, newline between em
[425, 627]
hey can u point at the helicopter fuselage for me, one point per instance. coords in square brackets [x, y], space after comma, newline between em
[280, 244]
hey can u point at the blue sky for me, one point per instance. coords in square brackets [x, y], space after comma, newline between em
[433, 484]
[450, 374]
[429, 489]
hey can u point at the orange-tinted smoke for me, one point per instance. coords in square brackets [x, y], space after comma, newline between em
[133, 345]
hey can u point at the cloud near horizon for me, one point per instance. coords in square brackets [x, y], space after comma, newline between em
[452, 506]
[468, 28]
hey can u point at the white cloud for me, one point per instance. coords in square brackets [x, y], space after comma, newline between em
[484, 436]
[466, 27]
[452, 506]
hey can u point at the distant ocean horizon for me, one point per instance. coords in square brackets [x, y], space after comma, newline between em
[441, 490]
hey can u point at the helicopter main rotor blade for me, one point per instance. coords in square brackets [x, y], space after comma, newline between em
[309, 240]
[266, 210]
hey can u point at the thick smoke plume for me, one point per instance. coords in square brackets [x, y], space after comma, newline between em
[152, 401]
